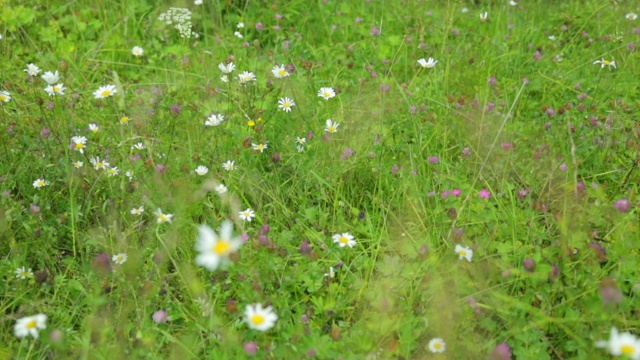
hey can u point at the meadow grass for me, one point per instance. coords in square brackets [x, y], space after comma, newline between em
[491, 197]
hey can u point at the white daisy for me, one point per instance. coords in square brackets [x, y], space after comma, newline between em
[344, 239]
[201, 170]
[57, 89]
[105, 91]
[162, 217]
[94, 128]
[259, 147]
[247, 76]
[40, 183]
[301, 140]
[50, 78]
[285, 104]
[137, 51]
[631, 16]
[5, 96]
[228, 68]
[247, 215]
[119, 258]
[129, 174]
[77, 164]
[79, 143]
[428, 64]
[229, 165]
[279, 72]
[137, 211]
[113, 171]
[138, 146]
[99, 164]
[326, 93]
[484, 16]
[214, 250]
[437, 345]
[23, 273]
[214, 120]
[258, 318]
[224, 78]
[604, 63]
[331, 127]
[221, 189]
[618, 344]
[238, 34]
[32, 70]
[30, 325]
[464, 252]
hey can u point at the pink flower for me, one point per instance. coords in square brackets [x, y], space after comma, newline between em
[160, 317]
[457, 192]
[485, 194]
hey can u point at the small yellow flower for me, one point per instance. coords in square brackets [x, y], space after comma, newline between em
[251, 123]
[124, 120]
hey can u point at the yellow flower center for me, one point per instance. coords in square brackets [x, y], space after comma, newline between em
[31, 324]
[79, 146]
[3, 98]
[106, 93]
[437, 346]
[124, 120]
[40, 183]
[462, 253]
[247, 214]
[326, 94]
[332, 128]
[119, 259]
[606, 62]
[221, 247]
[627, 350]
[282, 72]
[344, 239]
[260, 147]
[257, 319]
[99, 165]
[56, 89]
[162, 217]
[286, 105]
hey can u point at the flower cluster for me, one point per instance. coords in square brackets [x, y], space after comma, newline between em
[180, 18]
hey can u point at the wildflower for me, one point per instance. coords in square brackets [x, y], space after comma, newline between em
[50, 78]
[124, 120]
[285, 104]
[104, 91]
[40, 183]
[464, 252]
[181, 20]
[279, 72]
[113, 171]
[229, 165]
[622, 205]
[529, 265]
[77, 164]
[79, 143]
[251, 123]
[202, 170]
[621, 344]
[375, 31]
[501, 352]
[129, 174]
[197, 2]
[344, 239]
[437, 345]
[137, 51]
[224, 78]
[5, 96]
[631, 16]
[94, 128]
[247, 76]
[300, 140]
[32, 70]
[331, 274]
[160, 316]
[247, 215]
[99, 164]
[331, 126]
[162, 217]
[513, 3]
[119, 258]
[607, 63]
[259, 147]
[484, 16]
[138, 146]
[30, 325]
[240, 25]
[228, 68]
[214, 249]
[137, 211]
[258, 318]
[326, 93]
[221, 189]
[428, 64]
[23, 273]
[300, 148]
[485, 194]
[250, 348]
